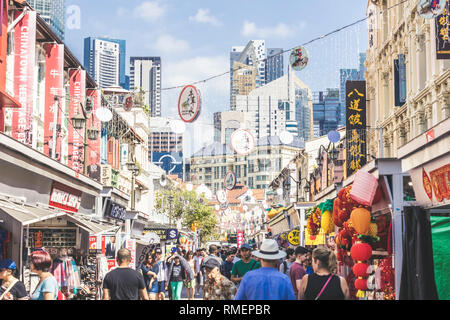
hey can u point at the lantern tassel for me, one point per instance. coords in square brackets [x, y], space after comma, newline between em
[361, 294]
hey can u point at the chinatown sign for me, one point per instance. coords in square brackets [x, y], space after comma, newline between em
[355, 105]
[65, 197]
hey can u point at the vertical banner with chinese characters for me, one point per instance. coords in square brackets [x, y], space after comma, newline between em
[77, 93]
[24, 53]
[442, 33]
[355, 104]
[239, 238]
[93, 151]
[54, 80]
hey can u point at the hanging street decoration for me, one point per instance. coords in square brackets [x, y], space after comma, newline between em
[299, 58]
[189, 104]
[334, 136]
[286, 137]
[128, 102]
[430, 9]
[103, 114]
[230, 181]
[242, 141]
[221, 196]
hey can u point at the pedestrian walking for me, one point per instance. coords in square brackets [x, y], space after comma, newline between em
[190, 284]
[10, 287]
[162, 275]
[217, 286]
[227, 265]
[47, 288]
[322, 284]
[285, 266]
[298, 271]
[246, 264]
[124, 283]
[198, 272]
[178, 271]
[266, 283]
[150, 270]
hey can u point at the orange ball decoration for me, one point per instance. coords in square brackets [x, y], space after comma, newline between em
[360, 219]
[360, 269]
[361, 251]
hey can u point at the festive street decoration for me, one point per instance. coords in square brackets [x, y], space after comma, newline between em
[430, 9]
[313, 223]
[189, 103]
[326, 221]
[242, 142]
[360, 219]
[360, 270]
[361, 252]
[364, 188]
[299, 58]
[230, 180]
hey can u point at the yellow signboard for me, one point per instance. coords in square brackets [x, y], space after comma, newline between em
[294, 237]
[314, 240]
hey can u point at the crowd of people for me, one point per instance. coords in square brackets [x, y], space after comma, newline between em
[224, 273]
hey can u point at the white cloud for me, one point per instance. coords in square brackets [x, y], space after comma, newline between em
[121, 11]
[168, 44]
[149, 10]
[203, 16]
[280, 31]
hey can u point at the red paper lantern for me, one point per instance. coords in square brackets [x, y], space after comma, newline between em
[361, 251]
[360, 269]
[361, 284]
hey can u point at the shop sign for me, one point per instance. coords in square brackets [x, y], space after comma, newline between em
[54, 88]
[94, 145]
[189, 103]
[93, 243]
[442, 32]
[124, 184]
[77, 92]
[161, 233]
[106, 175]
[431, 182]
[130, 244]
[111, 264]
[24, 53]
[430, 135]
[65, 197]
[355, 125]
[239, 238]
[114, 210]
[172, 234]
[294, 237]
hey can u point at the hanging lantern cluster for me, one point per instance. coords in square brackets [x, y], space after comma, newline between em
[361, 252]
[313, 222]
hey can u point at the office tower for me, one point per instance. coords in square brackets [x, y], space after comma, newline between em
[274, 64]
[145, 74]
[326, 108]
[104, 60]
[53, 12]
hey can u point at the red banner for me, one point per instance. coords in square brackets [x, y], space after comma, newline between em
[77, 93]
[240, 238]
[94, 145]
[54, 81]
[24, 52]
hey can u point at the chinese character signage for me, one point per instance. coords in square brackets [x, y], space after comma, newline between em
[442, 31]
[54, 88]
[93, 150]
[239, 238]
[24, 52]
[189, 104]
[77, 85]
[355, 103]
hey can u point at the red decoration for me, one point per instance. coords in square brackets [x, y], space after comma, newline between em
[360, 269]
[378, 195]
[361, 284]
[361, 251]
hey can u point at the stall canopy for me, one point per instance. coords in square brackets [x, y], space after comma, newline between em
[26, 214]
[94, 227]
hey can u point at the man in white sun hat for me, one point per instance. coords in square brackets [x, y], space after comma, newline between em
[266, 283]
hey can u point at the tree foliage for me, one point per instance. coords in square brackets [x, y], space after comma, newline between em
[190, 209]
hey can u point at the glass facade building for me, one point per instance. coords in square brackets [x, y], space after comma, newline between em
[53, 12]
[326, 108]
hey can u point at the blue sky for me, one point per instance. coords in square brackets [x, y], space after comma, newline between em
[194, 37]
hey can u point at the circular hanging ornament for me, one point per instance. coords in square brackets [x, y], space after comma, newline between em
[360, 270]
[189, 103]
[299, 58]
[361, 251]
[230, 181]
[221, 196]
[361, 284]
[334, 136]
[430, 9]
[242, 142]
[360, 219]
[104, 114]
[286, 137]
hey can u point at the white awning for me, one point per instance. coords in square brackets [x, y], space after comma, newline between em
[26, 214]
[94, 227]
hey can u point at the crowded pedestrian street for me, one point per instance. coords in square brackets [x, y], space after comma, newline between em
[224, 158]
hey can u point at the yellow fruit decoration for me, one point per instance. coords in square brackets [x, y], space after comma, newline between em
[326, 222]
[373, 229]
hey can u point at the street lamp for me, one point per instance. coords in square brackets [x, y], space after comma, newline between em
[134, 168]
[170, 198]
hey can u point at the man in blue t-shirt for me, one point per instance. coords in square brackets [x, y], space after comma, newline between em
[266, 283]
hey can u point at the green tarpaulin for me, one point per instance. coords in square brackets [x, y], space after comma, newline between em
[440, 234]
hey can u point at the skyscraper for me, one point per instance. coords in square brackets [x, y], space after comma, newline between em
[326, 108]
[145, 73]
[104, 60]
[52, 11]
[274, 64]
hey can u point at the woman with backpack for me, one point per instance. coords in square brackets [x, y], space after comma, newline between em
[285, 266]
[323, 284]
